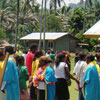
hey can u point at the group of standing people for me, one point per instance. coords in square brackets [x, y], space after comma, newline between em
[45, 75]
[87, 71]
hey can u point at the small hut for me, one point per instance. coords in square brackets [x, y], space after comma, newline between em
[57, 41]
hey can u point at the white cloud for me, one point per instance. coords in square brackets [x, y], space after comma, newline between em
[66, 1]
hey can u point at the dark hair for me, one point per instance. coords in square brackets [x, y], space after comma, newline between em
[82, 56]
[9, 49]
[25, 51]
[1, 53]
[37, 55]
[52, 52]
[90, 57]
[19, 60]
[59, 58]
[45, 59]
[33, 46]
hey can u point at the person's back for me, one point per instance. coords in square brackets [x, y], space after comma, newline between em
[11, 77]
[79, 71]
[91, 80]
[30, 56]
[12, 81]
[35, 66]
[60, 70]
[92, 86]
[29, 59]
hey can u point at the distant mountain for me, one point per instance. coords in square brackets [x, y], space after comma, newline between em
[73, 5]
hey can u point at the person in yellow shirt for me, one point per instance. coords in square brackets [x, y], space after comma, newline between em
[35, 64]
[1, 61]
[18, 52]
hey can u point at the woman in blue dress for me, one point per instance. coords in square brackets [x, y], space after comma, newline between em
[91, 80]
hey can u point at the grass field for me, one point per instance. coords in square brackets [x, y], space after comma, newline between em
[73, 92]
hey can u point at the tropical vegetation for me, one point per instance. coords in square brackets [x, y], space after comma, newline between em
[58, 18]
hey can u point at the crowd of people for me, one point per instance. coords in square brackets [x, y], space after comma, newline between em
[36, 75]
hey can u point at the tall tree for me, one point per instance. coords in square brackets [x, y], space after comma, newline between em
[54, 3]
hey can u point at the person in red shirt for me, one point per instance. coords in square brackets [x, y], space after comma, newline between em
[30, 56]
[29, 59]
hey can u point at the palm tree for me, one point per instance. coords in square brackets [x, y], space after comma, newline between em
[54, 3]
[7, 18]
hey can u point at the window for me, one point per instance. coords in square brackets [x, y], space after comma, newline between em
[50, 44]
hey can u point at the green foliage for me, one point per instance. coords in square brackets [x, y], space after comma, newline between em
[54, 23]
[76, 21]
[2, 33]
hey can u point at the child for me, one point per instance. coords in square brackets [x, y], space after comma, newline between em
[23, 77]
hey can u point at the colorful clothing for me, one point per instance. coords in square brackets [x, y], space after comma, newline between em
[29, 59]
[52, 56]
[1, 67]
[40, 74]
[12, 81]
[23, 72]
[50, 81]
[25, 95]
[46, 73]
[93, 63]
[19, 53]
[92, 86]
[35, 66]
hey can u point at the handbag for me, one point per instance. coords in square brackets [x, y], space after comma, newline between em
[67, 78]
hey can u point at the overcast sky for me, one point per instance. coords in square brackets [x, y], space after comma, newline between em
[66, 1]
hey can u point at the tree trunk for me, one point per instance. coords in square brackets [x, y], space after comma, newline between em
[44, 26]
[17, 23]
[41, 25]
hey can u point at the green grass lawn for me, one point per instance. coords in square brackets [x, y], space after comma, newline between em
[73, 92]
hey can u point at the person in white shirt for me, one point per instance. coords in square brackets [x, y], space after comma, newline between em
[60, 68]
[79, 72]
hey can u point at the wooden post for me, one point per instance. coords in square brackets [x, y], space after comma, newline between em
[4, 67]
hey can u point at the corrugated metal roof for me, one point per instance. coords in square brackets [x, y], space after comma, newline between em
[94, 31]
[48, 36]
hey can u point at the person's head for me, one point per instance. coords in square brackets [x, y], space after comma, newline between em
[60, 58]
[64, 52]
[49, 51]
[20, 60]
[9, 49]
[90, 58]
[97, 55]
[43, 60]
[76, 54]
[34, 48]
[43, 52]
[17, 49]
[25, 51]
[1, 55]
[82, 56]
[52, 52]
[37, 55]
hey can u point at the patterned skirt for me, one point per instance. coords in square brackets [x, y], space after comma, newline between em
[25, 95]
